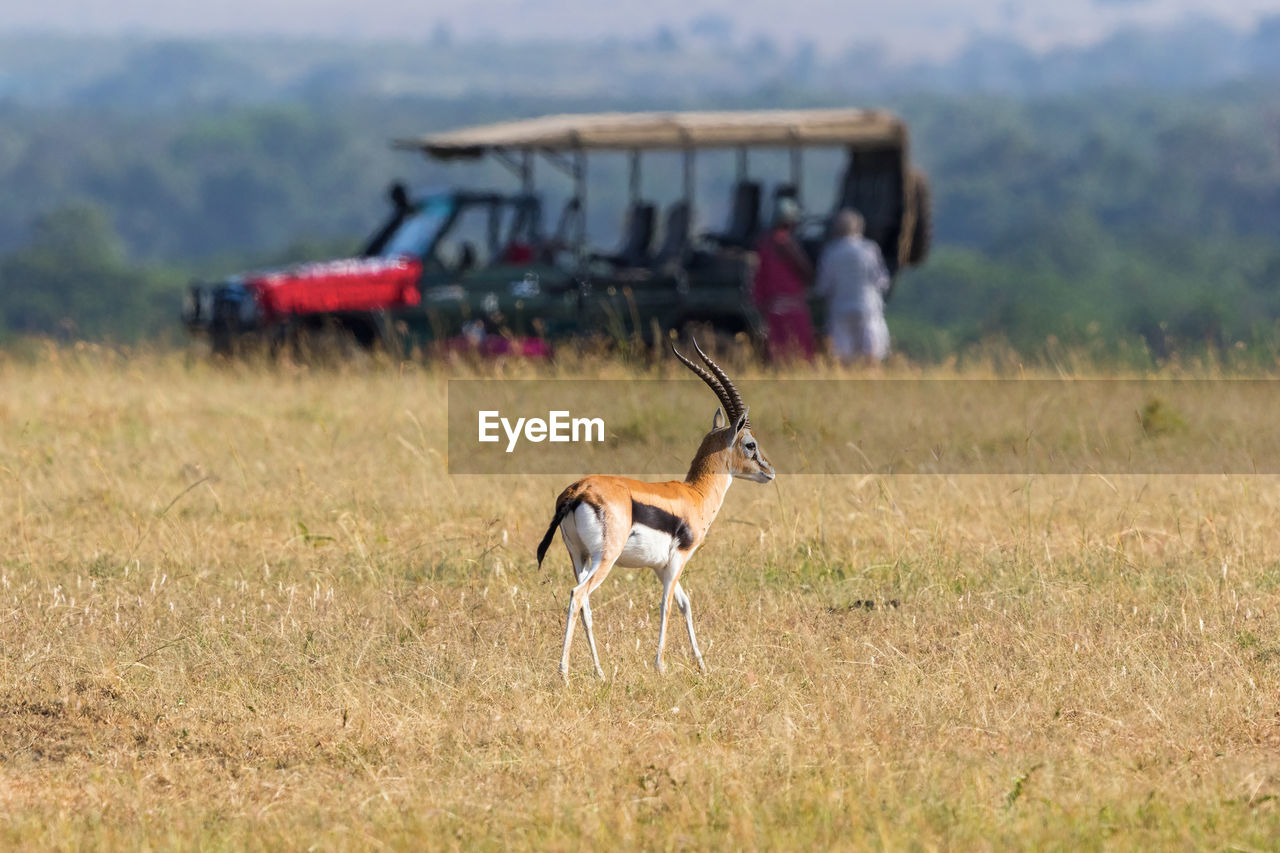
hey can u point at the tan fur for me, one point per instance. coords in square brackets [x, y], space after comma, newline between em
[696, 500]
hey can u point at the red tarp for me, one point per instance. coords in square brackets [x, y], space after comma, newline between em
[358, 284]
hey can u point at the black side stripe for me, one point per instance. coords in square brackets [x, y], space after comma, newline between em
[661, 520]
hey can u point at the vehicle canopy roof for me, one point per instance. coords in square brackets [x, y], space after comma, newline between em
[670, 130]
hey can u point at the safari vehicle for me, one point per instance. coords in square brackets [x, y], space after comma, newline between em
[483, 266]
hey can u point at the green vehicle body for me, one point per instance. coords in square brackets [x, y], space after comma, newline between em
[490, 271]
[555, 301]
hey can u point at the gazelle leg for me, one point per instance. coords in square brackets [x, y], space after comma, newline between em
[591, 638]
[600, 566]
[663, 607]
[582, 573]
[576, 599]
[670, 577]
[682, 601]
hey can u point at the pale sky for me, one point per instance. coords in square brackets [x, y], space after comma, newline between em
[910, 27]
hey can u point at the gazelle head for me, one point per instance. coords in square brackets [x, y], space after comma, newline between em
[730, 440]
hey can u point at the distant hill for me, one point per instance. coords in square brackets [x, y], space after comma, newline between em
[912, 29]
[134, 73]
[1123, 190]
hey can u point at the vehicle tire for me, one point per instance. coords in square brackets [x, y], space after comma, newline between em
[324, 341]
[922, 232]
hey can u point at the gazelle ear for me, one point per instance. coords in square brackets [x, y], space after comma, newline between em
[739, 424]
[717, 420]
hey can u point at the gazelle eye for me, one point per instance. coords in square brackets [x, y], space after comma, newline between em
[750, 447]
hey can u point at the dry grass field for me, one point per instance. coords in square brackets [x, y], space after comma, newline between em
[246, 608]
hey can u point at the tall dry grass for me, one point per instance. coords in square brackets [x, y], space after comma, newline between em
[246, 608]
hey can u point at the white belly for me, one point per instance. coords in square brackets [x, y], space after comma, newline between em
[647, 548]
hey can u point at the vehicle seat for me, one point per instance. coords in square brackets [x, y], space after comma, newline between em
[637, 246]
[568, 220]
[744, 218]
[675, 240]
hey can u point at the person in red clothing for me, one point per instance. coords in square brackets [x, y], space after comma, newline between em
[781, 286]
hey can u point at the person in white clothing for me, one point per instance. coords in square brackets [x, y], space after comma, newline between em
[853, 280]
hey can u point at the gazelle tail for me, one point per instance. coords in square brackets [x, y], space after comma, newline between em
[562, 510]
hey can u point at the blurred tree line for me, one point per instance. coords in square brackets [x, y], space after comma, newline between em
[71, 279]
[1141, 217]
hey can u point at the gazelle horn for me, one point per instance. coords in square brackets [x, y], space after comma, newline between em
[735, 405]
[726, 402]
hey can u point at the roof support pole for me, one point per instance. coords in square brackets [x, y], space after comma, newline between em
[565, 164]
[689, 182]
[742, 164]
[509, 162]
[580, 193]
[797, 172]
[634, 185]
[526, 171]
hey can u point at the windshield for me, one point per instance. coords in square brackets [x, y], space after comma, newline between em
[416, 234]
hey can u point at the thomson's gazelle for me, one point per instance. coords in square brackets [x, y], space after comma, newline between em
[607, 521]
